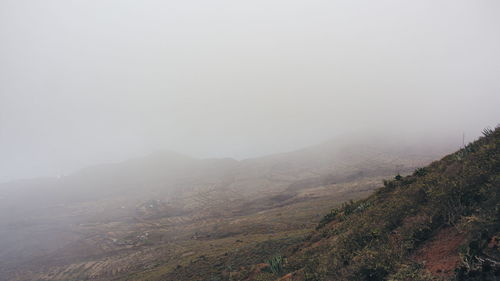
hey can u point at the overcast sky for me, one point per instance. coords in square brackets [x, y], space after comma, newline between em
[91, 81]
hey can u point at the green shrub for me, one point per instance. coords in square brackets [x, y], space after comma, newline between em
[276, 265]
[420, 172]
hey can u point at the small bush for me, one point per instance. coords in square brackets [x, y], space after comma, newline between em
[276, 265]
[420, 172]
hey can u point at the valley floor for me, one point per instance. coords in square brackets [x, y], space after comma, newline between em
[220, 241]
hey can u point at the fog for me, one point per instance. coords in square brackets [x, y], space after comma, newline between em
[88, 82]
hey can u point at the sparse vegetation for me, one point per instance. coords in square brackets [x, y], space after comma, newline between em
[276, 265]
[381, 237]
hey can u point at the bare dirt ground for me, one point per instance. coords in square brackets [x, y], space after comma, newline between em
[440, 256]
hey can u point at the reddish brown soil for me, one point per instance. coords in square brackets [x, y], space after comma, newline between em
[288, 277]
[294, 276]
[440, 255]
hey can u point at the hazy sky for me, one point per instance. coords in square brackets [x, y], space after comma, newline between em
[92, 81]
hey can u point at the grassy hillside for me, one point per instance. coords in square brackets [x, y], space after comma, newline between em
[440, 223]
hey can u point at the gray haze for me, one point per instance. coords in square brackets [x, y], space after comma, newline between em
[92, 81]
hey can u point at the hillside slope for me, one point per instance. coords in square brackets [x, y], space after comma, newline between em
[440, 223]
[146, 216]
